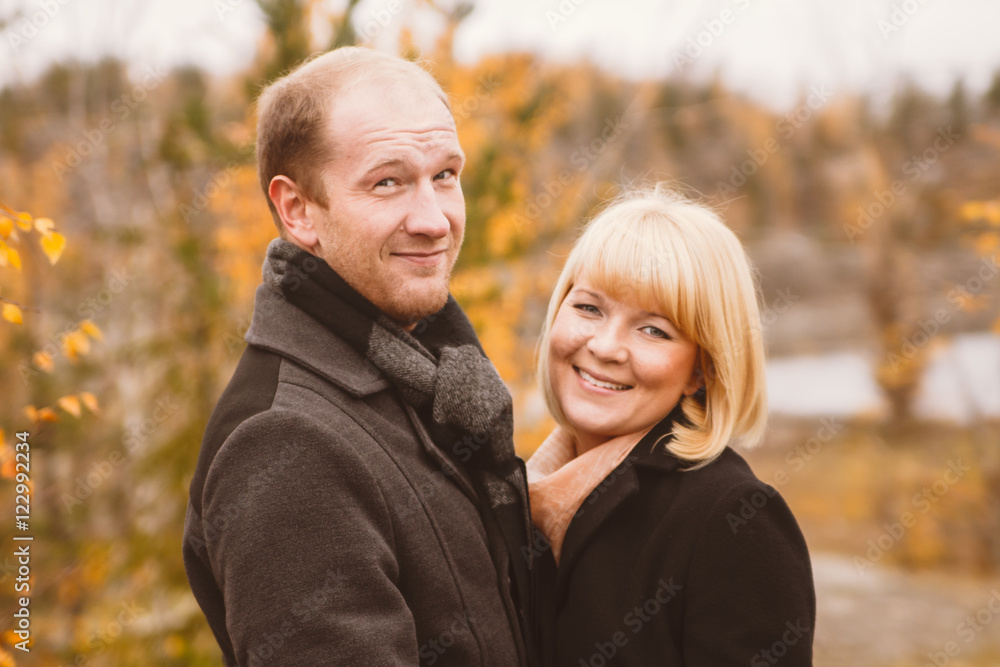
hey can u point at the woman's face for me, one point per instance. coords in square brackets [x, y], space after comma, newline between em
[614, 367]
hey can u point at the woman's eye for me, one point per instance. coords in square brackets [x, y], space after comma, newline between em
[588, 308]
[654, 331]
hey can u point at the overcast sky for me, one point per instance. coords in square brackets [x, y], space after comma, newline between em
[770, 49]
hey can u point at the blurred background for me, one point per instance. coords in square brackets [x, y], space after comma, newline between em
[854, 146]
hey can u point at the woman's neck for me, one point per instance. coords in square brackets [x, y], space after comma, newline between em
[584, 443]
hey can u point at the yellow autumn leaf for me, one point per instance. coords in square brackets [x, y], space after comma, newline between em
[12, 313]
[74, 344]
[14, 257]
[44, 225]
[24, 221]
[91, 330]
[53, 245]
[6, 226]
[70, 404]
[43, 361]
[90, 401]
[43, 415]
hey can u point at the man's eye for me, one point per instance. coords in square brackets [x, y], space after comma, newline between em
[386, 182]
[447, 173]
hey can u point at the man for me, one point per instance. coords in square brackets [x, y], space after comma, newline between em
[357, 499]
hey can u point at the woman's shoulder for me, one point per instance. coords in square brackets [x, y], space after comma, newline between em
[726, 490]
[727, 470]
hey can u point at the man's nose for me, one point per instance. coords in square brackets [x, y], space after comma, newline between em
[426, 216]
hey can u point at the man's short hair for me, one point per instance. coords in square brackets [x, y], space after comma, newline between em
[293, 133]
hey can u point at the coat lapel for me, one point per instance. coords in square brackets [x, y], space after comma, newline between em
[448, 467]
[602, 502]
[612, 493]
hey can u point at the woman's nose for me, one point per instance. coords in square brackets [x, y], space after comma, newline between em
[607, 343]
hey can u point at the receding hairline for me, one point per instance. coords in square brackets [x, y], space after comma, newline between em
[336, 72]
[294, 112]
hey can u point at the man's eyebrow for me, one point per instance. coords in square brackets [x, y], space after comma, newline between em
[385, 163]
[390, 162]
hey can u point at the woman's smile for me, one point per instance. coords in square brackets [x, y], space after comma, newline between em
[616, 368]
[592, 379]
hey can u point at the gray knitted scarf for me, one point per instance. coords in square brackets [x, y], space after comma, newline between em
[440, 369]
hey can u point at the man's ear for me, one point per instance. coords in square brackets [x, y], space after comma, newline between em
[295, 213]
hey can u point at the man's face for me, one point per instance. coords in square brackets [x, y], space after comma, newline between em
[397, 214]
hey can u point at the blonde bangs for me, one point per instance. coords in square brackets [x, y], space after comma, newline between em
[678, 259]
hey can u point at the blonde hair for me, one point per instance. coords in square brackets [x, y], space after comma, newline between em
[293, 113]
[677, 258]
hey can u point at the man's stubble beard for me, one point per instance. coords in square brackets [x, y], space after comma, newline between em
[405, 306]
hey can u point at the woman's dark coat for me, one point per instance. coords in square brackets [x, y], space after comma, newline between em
[663, 566]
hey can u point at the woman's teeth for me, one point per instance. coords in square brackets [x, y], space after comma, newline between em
[598, 383]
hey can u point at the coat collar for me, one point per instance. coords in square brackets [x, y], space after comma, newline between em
[619, 486]
[285, 329]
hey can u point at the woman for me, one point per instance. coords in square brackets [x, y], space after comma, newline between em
[665, 548]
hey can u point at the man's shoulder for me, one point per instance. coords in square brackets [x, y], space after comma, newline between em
[267, 395]
[282, 328]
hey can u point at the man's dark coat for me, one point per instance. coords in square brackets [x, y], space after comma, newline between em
[324, 526]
